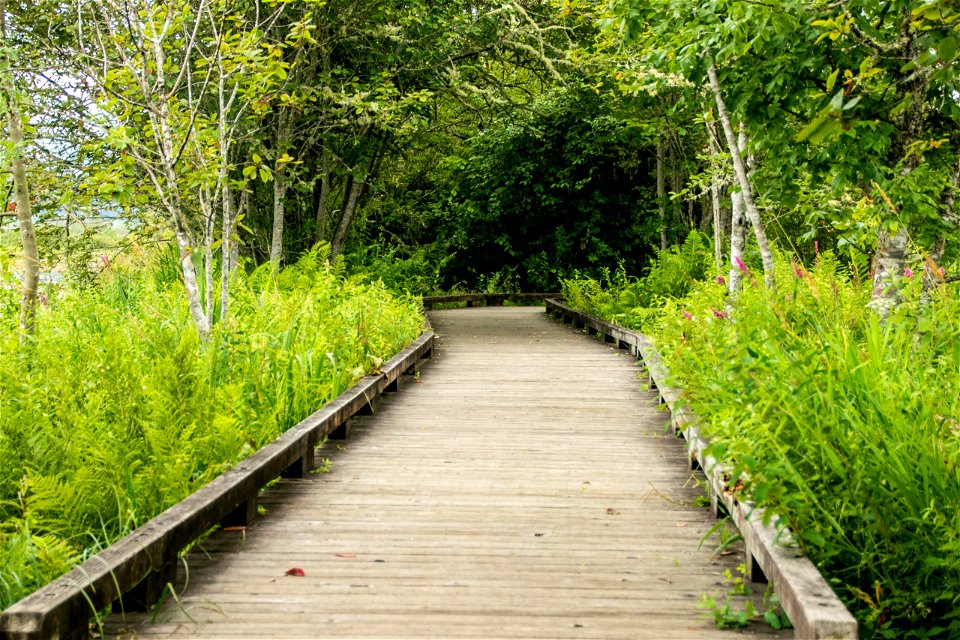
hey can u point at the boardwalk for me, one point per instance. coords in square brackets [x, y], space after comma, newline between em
[523, 487]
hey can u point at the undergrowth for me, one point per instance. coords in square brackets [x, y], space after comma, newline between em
[118, 411]
[847, 426]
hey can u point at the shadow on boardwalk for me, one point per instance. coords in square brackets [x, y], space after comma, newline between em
[523, 487]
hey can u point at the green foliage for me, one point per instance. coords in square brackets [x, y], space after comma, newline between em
[415, 272]
[633, 302]
[119, 411]
[565, 188]
[846, 427]
[724, 609]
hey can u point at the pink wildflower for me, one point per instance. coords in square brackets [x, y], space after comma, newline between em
[105, 259]
[908, 272]
[721, 280]
[816, 247]
[797, 271]
[719, 314]
[686, 315]
[740, 264]
[943, 272]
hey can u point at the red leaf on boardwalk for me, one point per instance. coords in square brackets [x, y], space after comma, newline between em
[296, 571]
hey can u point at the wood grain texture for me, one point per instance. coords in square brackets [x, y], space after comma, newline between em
[524, 486]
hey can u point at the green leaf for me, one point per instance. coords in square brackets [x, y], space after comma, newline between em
[947, 48]
[813, 537]
[832, 79]
[836, 103]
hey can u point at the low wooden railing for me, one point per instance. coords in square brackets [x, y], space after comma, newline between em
[134, 571]
[770, 549]
[488, 299]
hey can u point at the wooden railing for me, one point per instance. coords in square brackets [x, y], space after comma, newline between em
[134, 571]
[488, 299]
[771, 552]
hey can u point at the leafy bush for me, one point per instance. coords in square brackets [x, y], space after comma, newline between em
[633, 302]
[417, 272]
[849, 428]
[118, 411]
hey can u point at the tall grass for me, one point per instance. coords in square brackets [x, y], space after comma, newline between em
[849, 428]
[119, 411]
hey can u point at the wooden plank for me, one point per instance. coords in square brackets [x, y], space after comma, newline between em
[522, 480]
[813, 608]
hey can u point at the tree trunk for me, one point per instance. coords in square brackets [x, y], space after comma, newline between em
[280, 184]
[181, 227]
[349, 210]
[661, 195]
[209, 229]
[359, 183]
[279, 202]
[324, 203]
[740, 171]
[715, 200]
[229, 216]
[227, 263]
[28, 238]
[888, 267]
[675, 186]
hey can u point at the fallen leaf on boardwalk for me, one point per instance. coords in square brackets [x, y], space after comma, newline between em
[681, 524]
[345, 555]
[296, 571]
[612, 512]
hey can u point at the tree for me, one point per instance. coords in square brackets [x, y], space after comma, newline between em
[24, 205]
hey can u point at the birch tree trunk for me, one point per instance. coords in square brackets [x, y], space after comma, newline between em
[209, 229]
[163, 130]
[228, 227]
[227, 261]
[661, 195]
[888, 266]
[738, 240]
[279, 211]
[28, 238]
[715, 200]
[185, 241]
[280, 184]
[746, 192]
